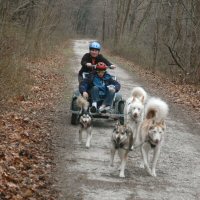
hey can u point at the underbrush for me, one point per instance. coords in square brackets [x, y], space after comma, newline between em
[26, 123]
[142, 55]
[15, 74]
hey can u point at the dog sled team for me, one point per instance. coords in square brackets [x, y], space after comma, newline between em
[144, 117]
[144, 127]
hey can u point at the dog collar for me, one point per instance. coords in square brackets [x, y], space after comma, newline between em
[119, 145]
[149, 140]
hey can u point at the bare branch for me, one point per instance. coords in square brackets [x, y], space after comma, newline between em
[175, 59]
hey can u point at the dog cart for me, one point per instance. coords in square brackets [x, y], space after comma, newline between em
[116, 112]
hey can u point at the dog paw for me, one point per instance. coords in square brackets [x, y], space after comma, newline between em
[149, 171]
[153, 173]
[142, 165]
[121, 175]
[131, 148]
[150, 174]
[87, 146]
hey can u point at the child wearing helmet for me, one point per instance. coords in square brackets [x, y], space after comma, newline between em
[101, 87]
[92, 58]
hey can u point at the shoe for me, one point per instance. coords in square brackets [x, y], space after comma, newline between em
[102, 108]
[93, 109]
[94, 104]
[107, 108]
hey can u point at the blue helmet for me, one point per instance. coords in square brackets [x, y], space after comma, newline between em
[95, 45]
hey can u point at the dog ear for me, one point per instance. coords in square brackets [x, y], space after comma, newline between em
[152, 125]
[162, 123]
[125, 126]
[133, 99]
[127, 129]
[117, 124]
[142, 99]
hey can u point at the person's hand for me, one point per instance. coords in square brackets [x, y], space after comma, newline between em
[111, 88]
[89, 64]
[112, 66]
[85, 95]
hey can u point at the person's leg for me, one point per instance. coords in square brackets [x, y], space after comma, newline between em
[109, 98]
[95, 94]
[107, 101]
[95, 98]
[80, 78]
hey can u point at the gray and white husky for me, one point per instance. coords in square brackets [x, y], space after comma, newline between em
[151, 132]
[122, 141]
[85, 120]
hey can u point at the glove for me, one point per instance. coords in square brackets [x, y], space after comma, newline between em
[85, 95]
[89, 64]
[112, 66]
[111, 88]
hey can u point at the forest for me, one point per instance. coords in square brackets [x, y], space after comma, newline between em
[155, 40]
[160, 35]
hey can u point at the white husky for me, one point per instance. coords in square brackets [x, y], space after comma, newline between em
[134, 109]
[85, 120]
[151, 132]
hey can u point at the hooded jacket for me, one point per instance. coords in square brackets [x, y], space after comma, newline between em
[102, 83]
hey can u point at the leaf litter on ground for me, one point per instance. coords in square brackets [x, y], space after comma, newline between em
[25, 133]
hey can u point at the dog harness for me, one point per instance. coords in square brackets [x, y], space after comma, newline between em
[85, 125]
[119, 145]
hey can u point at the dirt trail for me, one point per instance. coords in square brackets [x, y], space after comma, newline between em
[85, 173]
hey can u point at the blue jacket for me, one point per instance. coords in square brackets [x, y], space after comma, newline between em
[102, 83]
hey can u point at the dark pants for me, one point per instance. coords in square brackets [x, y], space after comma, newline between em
[80, 78]
[108, 99]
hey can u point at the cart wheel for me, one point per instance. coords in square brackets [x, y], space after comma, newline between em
[121, 111]
[74, 117]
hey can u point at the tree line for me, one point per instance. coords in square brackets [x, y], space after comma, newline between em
[161, 35]
[29, 28]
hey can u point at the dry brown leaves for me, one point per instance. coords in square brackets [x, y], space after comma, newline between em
[180, 94]
[25, 134]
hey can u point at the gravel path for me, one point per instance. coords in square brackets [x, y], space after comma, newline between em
[85, 173]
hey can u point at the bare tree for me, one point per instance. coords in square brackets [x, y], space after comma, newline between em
[163, 35]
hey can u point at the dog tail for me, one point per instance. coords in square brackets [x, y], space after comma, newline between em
[82, 103]
[140, 93]
[156, 109]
